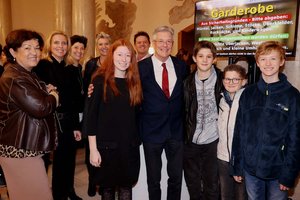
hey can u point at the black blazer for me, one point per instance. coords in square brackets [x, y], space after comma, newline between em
[161, 118]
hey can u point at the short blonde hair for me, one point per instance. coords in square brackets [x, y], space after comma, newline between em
[104, 36]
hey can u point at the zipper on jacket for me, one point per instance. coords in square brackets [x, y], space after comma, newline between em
[261, 139]
[202, 113]
[227, 131]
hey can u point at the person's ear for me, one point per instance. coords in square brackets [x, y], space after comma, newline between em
[282, 62]
[12, 52]
[257, 64]
[215, 61]
[194, 59]
[244, 82]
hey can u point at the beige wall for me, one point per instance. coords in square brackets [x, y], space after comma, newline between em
[151, 14]
[39, 15]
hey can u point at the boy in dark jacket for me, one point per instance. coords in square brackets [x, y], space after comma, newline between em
[266, 143]
[202, 94]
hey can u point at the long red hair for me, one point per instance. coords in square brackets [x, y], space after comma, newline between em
[107, 71]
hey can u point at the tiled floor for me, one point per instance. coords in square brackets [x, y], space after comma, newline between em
[81, 182]
[81, 177]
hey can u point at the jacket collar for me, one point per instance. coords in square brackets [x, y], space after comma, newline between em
[62, 63]
[19, 68]
[273, 88]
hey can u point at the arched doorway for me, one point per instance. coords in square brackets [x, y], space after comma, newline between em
[186, 38]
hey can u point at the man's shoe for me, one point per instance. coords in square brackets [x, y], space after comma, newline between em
[92, 190]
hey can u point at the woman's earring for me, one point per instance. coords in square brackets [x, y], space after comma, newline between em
[14, 59]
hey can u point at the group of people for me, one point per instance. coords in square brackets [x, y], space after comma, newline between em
[41, 109]
[227, 140]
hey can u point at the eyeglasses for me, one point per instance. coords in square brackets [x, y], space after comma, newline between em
[232, 80]
[161, 42]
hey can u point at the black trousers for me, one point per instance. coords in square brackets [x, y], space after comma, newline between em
[64, 160]
[174, 155]
[201, 171]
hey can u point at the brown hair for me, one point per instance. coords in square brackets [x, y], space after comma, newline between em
[237, 68]
[141, 33]
[205, 45]
[107, 70]
[15, 39]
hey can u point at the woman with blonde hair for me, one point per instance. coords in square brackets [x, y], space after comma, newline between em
[103, 42]
[54, 55]
[52, 69]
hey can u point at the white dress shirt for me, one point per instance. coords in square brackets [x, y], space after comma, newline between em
[158, 72]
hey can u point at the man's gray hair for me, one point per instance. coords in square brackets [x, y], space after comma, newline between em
[163, 29]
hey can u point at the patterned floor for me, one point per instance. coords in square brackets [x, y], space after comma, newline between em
[81, 178]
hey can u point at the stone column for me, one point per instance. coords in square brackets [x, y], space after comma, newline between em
[5, 20]
[63, 15]
[84, 22]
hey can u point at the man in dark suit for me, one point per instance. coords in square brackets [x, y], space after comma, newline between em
[161, 117]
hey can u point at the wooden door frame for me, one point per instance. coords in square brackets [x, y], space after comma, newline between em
[186, 29]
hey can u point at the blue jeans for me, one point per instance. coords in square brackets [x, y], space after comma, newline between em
[262, 189]
[174, 155]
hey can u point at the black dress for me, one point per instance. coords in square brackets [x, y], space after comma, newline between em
[114, 124]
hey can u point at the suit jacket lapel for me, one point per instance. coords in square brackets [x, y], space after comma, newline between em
[178, 75]
[152, 77]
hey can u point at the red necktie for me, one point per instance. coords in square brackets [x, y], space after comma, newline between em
[165, 80]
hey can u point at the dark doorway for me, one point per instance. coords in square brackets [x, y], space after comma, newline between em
[186, 38]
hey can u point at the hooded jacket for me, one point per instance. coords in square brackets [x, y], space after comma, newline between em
[266, 140]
